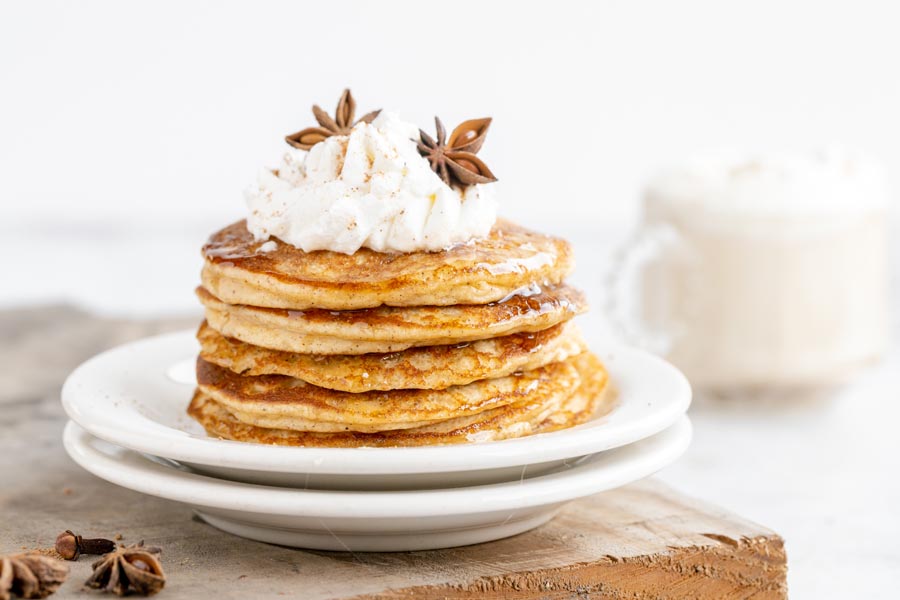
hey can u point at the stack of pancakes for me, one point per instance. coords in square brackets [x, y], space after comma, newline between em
[371, 349]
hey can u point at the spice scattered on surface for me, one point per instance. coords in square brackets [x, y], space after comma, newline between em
[30, 575]
[51, 552]
[129, 570]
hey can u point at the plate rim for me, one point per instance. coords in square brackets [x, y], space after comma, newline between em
[180, 446]
[642, 459]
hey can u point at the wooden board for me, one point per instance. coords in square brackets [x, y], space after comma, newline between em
[644, 541]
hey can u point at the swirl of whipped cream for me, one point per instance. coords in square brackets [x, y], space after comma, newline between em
[368, 189]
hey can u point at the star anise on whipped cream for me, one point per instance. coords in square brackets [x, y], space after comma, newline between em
[454, 159]
[341, 124]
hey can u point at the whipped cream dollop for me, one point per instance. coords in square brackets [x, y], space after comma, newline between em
[833, 180]
[369, 189]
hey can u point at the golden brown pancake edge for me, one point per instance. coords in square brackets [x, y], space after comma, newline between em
[591, 399]
[389, 329]
[280, 402]
[478, 272]
[423, 367]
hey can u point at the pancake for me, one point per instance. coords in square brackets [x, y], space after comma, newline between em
[389, 329]
[428, 367]
[515, 420]
[582, 407]
[479, 272]
[280, 402]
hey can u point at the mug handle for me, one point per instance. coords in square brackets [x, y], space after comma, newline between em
[623, 302]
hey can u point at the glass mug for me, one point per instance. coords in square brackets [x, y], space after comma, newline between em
[763, 273]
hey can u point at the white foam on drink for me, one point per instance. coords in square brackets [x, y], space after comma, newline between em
[830, 181]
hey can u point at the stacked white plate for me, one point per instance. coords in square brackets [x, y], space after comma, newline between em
[129, 427]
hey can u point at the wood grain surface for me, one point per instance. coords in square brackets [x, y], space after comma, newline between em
[644, 541]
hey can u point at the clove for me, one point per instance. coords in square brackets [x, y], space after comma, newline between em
[70, 545]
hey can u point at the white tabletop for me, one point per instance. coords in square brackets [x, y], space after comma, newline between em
[821, 471]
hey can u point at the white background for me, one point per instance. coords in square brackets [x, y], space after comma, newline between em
[129, 130]
[139, 124]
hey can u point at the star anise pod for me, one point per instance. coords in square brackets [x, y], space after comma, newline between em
[30, 575]
[129, 570]
[454, 159]
[341, 124]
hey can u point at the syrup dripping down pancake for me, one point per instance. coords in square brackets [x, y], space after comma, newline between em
[389, 329]
[280, 402]
[591, 398]
[479, 272]
[427, 367]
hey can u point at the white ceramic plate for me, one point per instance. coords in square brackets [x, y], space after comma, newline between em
[378, 521]
[136, 396]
